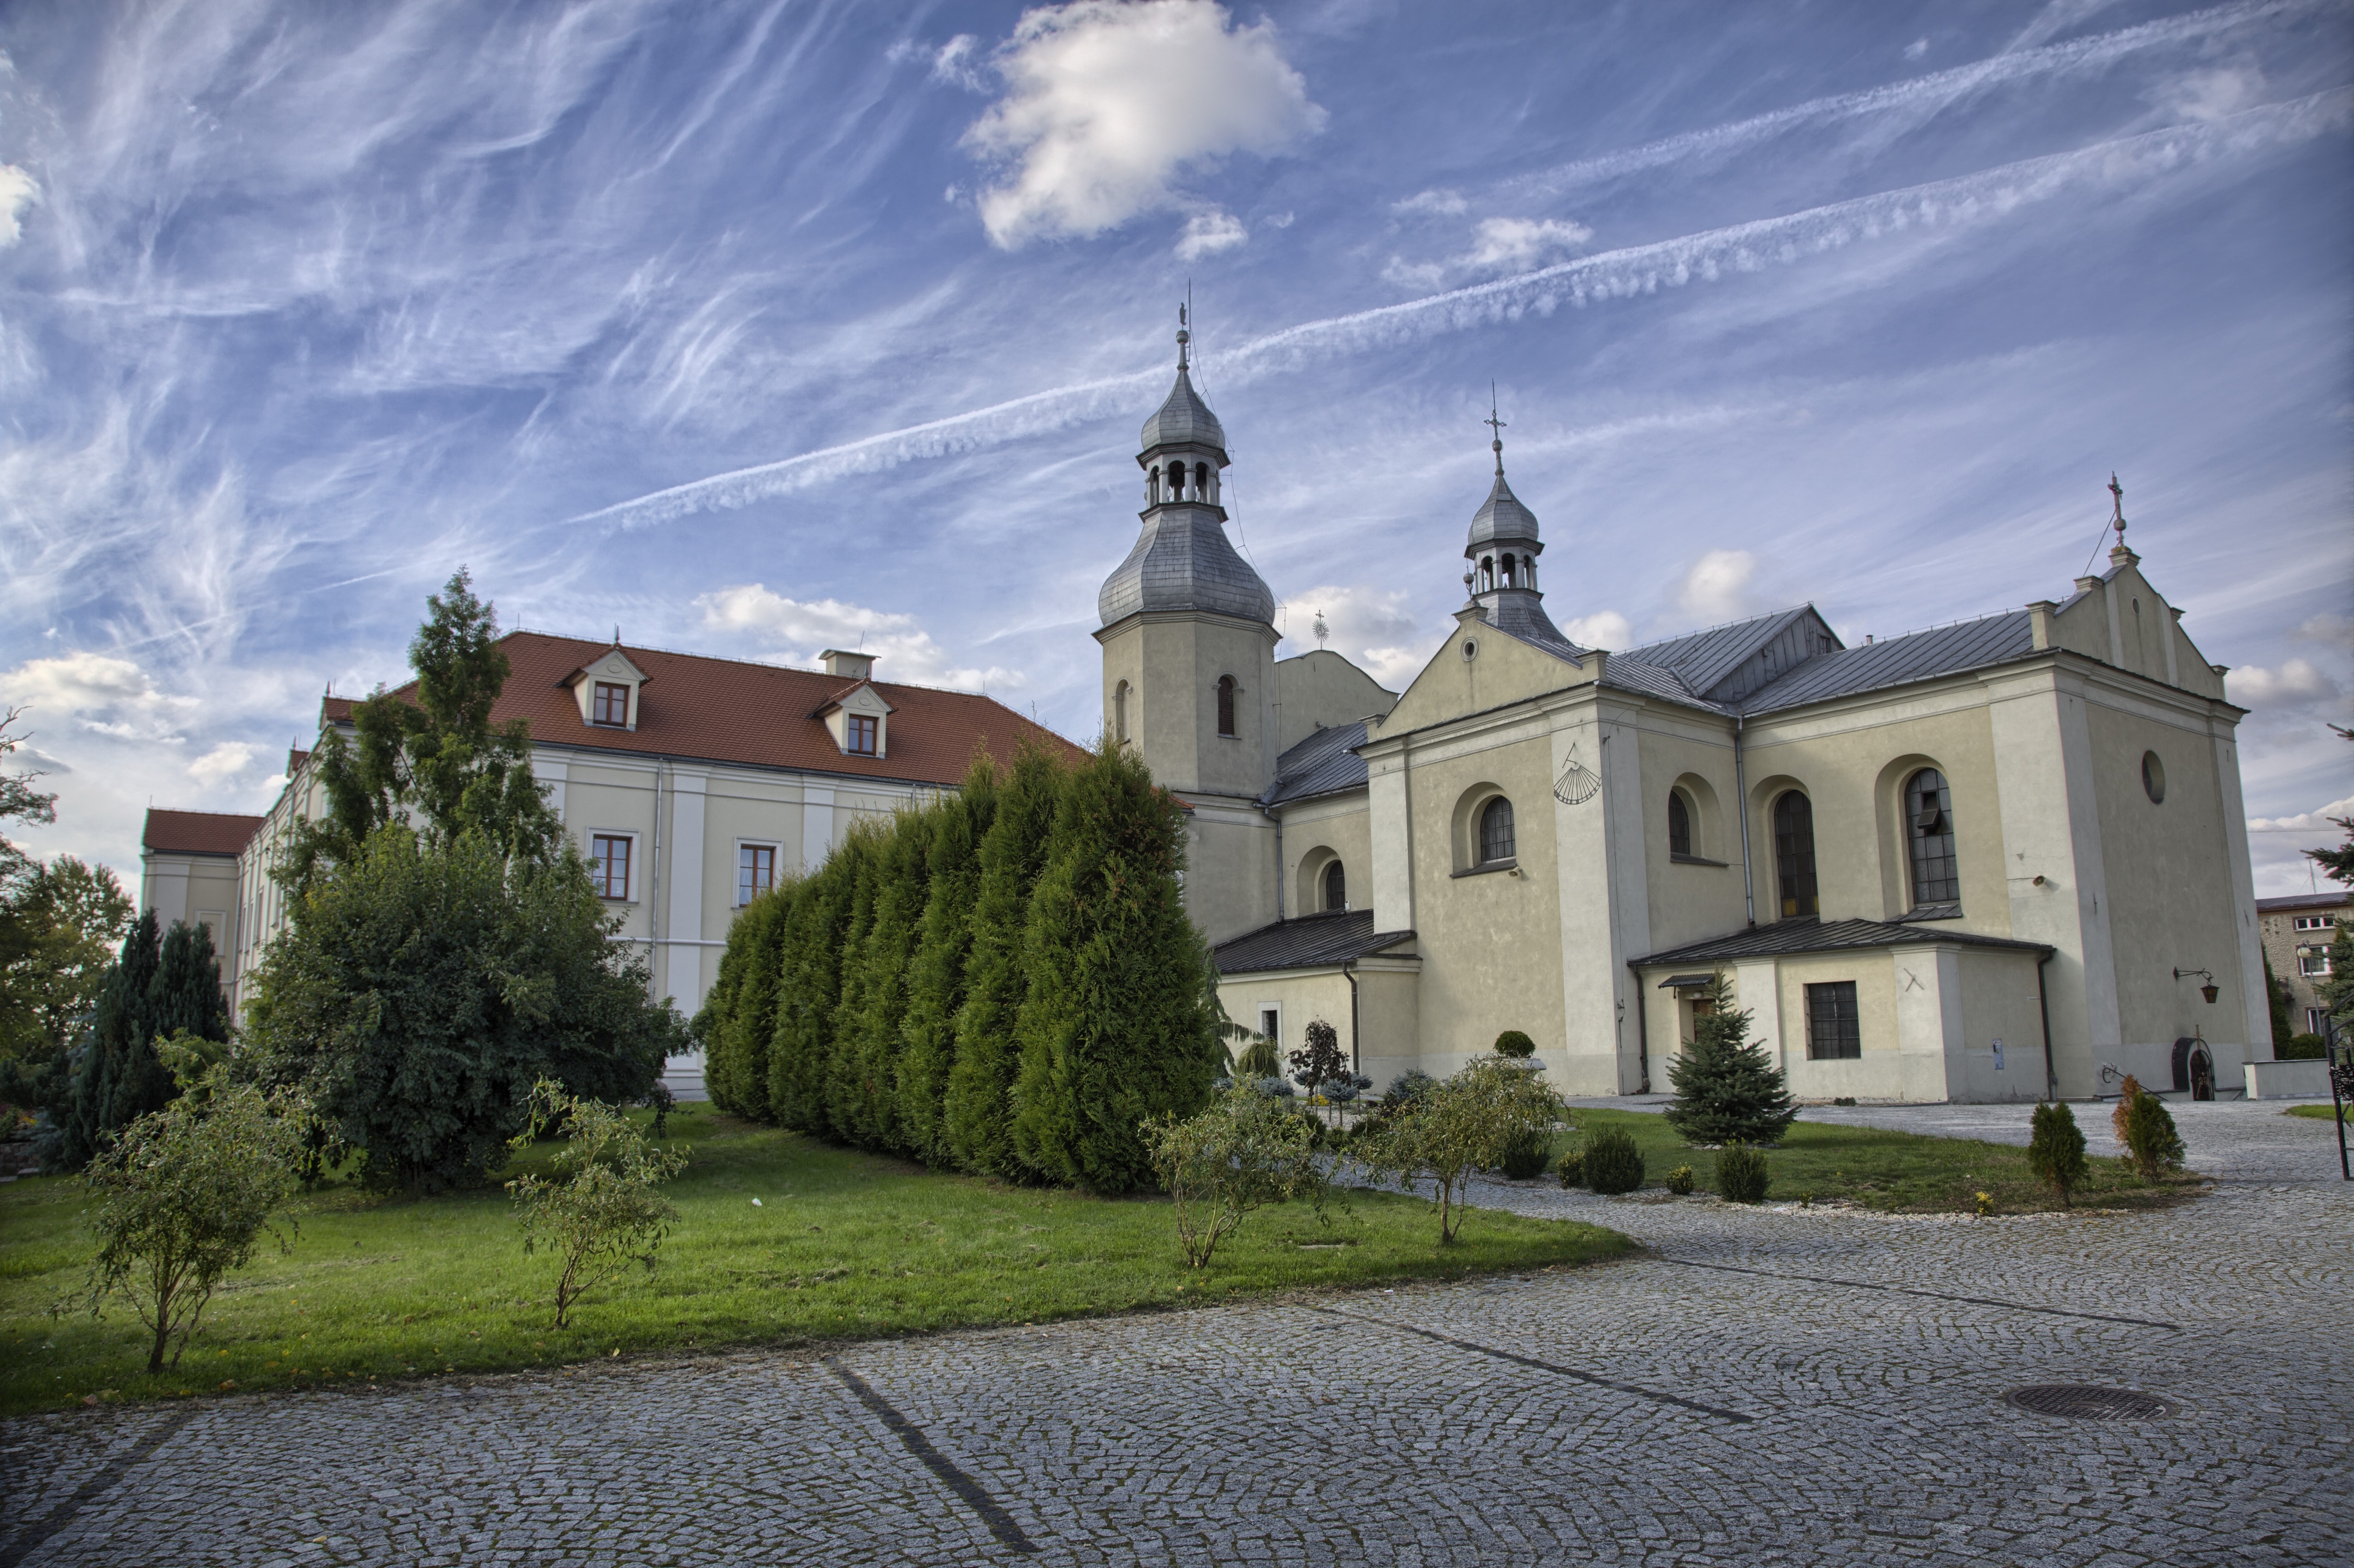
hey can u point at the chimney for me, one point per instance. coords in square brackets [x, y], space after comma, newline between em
[848, 666]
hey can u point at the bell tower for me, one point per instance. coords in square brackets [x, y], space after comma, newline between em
[1189, 660]
[1502, 551]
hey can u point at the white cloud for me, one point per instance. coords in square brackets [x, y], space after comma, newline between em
[2211, 94]
[1916, 48]
[1107, 103]
[796, 632]
[110, 696]
[1603, 629]
[1372, 628]
[230, 757]
[18, 191]
[1440, 202]
[2333, 631]
[2295, 683]
[2322, 819]
[1716, 587]
[954, 63]
[1517, 244]
[1207, 233]
[1419, 277]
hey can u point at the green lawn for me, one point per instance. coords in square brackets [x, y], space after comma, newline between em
[1899, 1172]
[2319, 1113]
[841, 1245]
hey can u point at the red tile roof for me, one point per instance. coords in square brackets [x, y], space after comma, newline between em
[197, 832]
[730, 710]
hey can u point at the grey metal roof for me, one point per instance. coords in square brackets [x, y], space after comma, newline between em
[1500, 517]
[1521, 612]
[1183, 560]
[1321, 765]
[1785, 937]
[2304, 901]
[1310, 942]
[1183, 420]
[1972, 645]
[1630, 673]
[1700, 658]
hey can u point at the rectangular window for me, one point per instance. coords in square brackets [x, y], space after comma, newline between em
[612, 871]
[861, 731]
[2315, 1017]
[756, 871]
[1270, 1024]
[2311, 922]
[1833, 1032]
[2313, 963]
[611, 706]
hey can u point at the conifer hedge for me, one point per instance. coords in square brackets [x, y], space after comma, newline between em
[1002, 982]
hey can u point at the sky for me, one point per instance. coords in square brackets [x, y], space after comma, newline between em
[756, 328]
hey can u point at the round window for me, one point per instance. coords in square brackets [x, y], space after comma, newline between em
[2153, 776]
[1470, 648]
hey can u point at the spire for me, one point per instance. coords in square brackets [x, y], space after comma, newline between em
[1183, 420]
[1502, 550]
[1497, 427]
[2118, 552]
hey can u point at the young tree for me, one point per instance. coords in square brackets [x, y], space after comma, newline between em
[1321, 1061]
[1242, 1153]
[607, 1210]
[2278, 998]
[1114, 1029]
[2146, 1130]
[2337, 993]
[423, 988]
[979, 1110]
[936, 987]
[2055, 1149]
[1461, 1125]
[1727, 1089]
[183, 1197]
[58, 939]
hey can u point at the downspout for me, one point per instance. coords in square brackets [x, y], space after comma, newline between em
[2043, 1006]
[1279, 865]
[1348, 968]
[1643, 1031]
[1740, 790]
[654, 879]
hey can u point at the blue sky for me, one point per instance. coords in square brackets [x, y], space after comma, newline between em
[756, 328]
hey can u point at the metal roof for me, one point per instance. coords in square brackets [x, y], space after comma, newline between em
[2336, 900]
[1321, 764]
[1920, 656]
[1310, 942]
[1501, 516]
[1183, 560]
[1183, 420]
[1700, 658]
[1808, 936]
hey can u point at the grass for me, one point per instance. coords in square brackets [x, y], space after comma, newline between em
[2319, 1113]
[1900, 1173]
[841, 1245]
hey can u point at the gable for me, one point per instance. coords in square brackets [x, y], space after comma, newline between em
[2120, 618]
[1502, 670]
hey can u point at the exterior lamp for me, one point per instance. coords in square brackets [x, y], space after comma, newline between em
[2209, 990]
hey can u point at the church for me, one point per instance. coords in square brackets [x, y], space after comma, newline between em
[1993, 860]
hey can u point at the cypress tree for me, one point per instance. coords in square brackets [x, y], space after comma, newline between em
[1114, 1027]
[935, 985]
[979, 1107]
[863, 854]
[187, 988]
[118, 1077]
[1727, 1090]
[872, 1042]
[809, 982]
[2276, 999]
[739, 1017]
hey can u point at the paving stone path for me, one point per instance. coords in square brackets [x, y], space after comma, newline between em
[1802, 1385]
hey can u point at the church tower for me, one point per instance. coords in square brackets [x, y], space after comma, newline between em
[1503, 550]
[1189, 661]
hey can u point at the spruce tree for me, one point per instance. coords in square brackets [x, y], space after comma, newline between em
[1727, 1090]
[936, 986]
[978, 1106]
[1114, 1028]
[187, 988]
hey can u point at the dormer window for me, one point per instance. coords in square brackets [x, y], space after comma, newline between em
[610, 705]
[859, 735]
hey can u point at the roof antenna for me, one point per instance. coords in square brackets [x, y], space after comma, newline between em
[1497, 427]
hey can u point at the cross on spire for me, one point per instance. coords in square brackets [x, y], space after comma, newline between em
[1496, 426]
[2117, 515]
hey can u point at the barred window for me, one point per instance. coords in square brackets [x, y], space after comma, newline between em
[1679, 823]
[1496, 831]
[1794, 853]
[1929, 824]
[756, 871]
[613, 704]
[1833, 1032]
[610, 864]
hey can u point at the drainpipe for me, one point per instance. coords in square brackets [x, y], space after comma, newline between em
[2043, 1006]
[1642, 1030]
[1348, 968]
[654, 879]
[1279, 865]
[1740, 790]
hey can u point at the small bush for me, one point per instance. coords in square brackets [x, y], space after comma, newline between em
[1613, 1163]
[1570, 1168]
[605, 1213]
[1259, 1059]
[1680, 1180]
[1277, 1088]
[1526, 1158]
[2300, 1048]
[1461, 1125]
[1842, 1099]
[1513, 1042]
[1741, 1174]
[1245, 1152]
[2150, 1139]
[1408, 1088]
[2055, 1150]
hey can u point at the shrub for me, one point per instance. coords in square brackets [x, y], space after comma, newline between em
[1321, 1062]
[1243, 1152]
[1727, 1089]
[1408, 1088]
[1680, 1180]
[1274, 1088]
[2150, 1137]
[605, 1213]
[1513, 1042]
[1462, 1125]
[2301, 1048]
[936, 977]
[1526, 1158]
[1570, 1168]
[1842, 1099]
[1259, 1059]
[1741, 1174]
[2055, 1149]
[183, 1197]
[1613, 1163]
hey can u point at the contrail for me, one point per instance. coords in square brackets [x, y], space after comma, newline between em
[1935, 91]
[1963, 202]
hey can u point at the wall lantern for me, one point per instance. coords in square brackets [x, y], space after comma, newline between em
[2209, 990]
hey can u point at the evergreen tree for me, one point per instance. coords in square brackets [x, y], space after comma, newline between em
[1727, 1089]
[1113, 1028]
[117, 1070]
[738, 1019]
[979, 1107]
[809, 984]
[861, 854]
[2277, 996]
[936, 987]
[872, 1041]
[186, 988]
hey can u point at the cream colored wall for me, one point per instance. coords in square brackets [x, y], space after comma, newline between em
[1385, 1041]
[1314, 833]
[1172, 663]
[1689, 903]
[1229, 867]
[1319, 689]
[1504, 669]
[2125, 623]
[1999, 1002]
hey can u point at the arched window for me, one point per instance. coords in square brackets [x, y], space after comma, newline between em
[1679, 823]
[1508, 569]
[1225, 704]
[1120, 712]
[1336, 887]
[1201, 482]
[1152, 484]
[1794, 853]
[1929, 824]
[1487, 572]
[1496, 831]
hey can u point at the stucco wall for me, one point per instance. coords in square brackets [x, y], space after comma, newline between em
[1317, 832]
[1321, 689]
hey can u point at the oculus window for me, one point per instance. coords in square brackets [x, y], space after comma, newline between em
[1929, 826]
[1833, 1031]
[1794, 854]
[1496, 831]
[2153, 777]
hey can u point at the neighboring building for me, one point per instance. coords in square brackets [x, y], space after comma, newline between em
[692, 783]
[1918, 860]
[2297, 932]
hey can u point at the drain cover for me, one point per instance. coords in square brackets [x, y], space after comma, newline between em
[2087, 1401]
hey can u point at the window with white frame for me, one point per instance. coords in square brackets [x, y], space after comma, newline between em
[2314, 961]
[2314, 1019]
[609, 856]
[756, 871]
[2311, 922]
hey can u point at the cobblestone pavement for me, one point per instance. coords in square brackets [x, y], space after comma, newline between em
[1802, 1385]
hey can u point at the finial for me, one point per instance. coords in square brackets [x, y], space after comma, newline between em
[617, 634]
[2118, 517]
[1497, 427]
[1184, 336]
[1321, 631]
